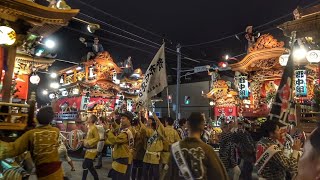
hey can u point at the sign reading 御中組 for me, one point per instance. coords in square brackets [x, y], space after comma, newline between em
[243, 87]
[301, 82]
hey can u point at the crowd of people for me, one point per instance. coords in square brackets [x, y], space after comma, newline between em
[152, 148]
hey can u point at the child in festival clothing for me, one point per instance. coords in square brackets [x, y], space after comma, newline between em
[191, 158]
[43, 144]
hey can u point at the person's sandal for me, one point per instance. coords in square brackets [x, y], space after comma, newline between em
[73, 169]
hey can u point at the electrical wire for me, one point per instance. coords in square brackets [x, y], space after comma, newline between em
[124, 21]
[107, 40]
[128, 38]
[243, 32]
[114, 27]
[125, 37]
[114, 42]
[132, 34]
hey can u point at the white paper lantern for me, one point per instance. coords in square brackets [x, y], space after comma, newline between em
[313, 56]
[75, 91]
[283, 60]
[64, 93]
[7, 35]
[34, 79]
[52, 96]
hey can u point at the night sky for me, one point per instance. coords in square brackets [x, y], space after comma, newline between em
[185, 22]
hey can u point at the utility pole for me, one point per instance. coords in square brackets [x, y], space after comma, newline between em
[178, 82]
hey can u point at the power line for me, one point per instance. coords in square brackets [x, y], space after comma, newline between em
[125, 37]
[135, 35]
[108, 40]
[213, 61]
[242, 32]
[124, 21]
[114, 42]
[107, 24]
[134, 40]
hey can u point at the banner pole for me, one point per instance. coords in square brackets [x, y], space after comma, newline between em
[168, 103]
[178, 82]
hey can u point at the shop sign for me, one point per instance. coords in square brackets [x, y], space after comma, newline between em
[243, 87]
[301, 82]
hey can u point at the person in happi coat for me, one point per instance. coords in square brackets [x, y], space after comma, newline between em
[191, 158]
[169, 136]
[90, 143]
[309, 162]
[182, 128]
[63, 152]
[138, 150]
[154, 147]
[101, 143]
[228, 153]
[246, 147]
[271, 162]
[42, 142]
[123, 143]
[96, 47]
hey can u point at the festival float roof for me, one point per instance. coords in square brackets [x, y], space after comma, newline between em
[264, 55]
[44, 20]
[99, 77]
[306, 25]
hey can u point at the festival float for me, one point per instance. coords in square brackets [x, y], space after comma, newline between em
[259, 73]
[22, 26]
[98, 86]
[305, 26]
[225, 101]
[257, 76]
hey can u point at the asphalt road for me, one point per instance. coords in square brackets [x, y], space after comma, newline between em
[77, 175]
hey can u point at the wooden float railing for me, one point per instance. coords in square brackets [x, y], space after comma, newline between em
[306, 119]
[18, 116]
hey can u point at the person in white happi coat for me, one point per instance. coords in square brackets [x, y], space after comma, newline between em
[63, 152]
[100, 146]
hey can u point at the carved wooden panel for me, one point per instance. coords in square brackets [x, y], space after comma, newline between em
[266, 41]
